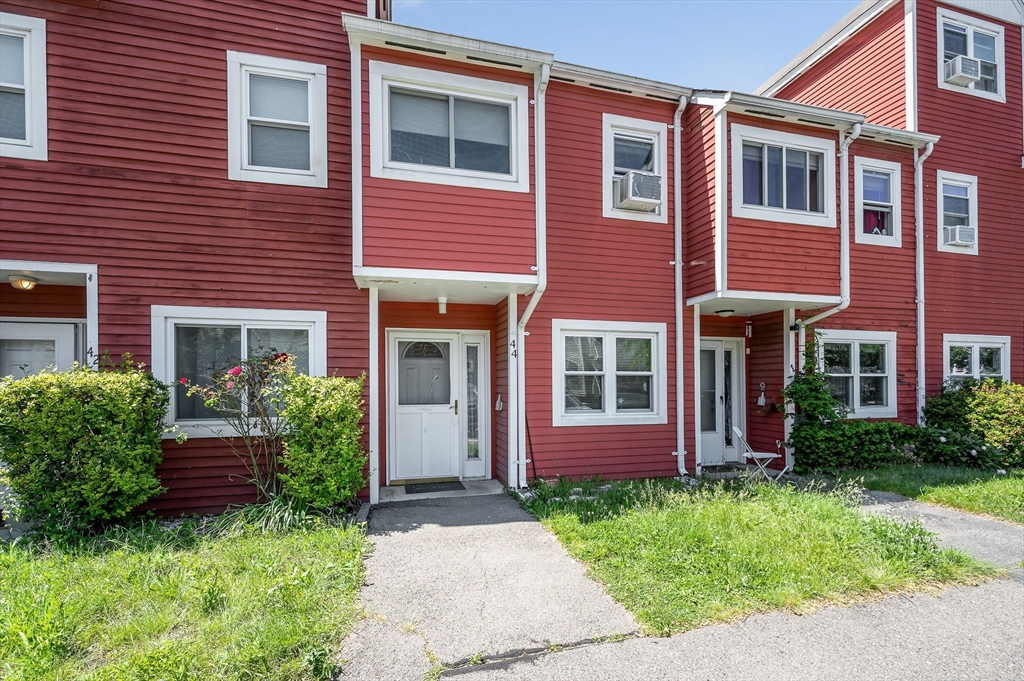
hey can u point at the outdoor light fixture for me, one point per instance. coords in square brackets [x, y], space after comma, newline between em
[725, 313]
[21, 282]
[750, 329]
[442, 304]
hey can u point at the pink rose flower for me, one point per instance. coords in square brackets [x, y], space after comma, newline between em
[235, 371]
[231, 384]
[184, 381]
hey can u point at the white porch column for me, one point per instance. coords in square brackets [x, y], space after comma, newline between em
[373, 376]
[512, 348]
[696, 390]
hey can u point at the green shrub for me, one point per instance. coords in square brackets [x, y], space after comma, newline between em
[323, 456]
[81, 446]
[952, 448]
[997, 415]
[850, 444]
[947, 410]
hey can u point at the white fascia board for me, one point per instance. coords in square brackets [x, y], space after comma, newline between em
[618, 82]
[859, 17]
[362, 30]
[897, 136]
[779, 109]
[393, 274]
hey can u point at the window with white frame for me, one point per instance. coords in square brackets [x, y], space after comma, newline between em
[640, 147]
[609, 373]
[957, 212]
[277, 120]
[961, 35]
[23, 87]
[878, 211]
[977, 357]
[445, 128]
[783, 177]
[193, 343]
[861, 369]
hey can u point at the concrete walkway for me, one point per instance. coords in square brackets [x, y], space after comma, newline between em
[450, 579]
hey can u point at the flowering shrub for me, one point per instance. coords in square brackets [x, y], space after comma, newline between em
[950, 448]
[248, 397]
[991, 411]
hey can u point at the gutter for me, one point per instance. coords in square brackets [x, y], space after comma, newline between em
[844, 243]
[540, 86]
[919, 159]
[677, 263]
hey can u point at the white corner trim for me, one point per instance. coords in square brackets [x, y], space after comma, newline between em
[656, 331]
[860, 164]
[373, 387]
[942, 14]
[164, 317]
[721, 201]
[826, 147]
[33, 31]
[385, 74]
[972, 182]
[910, 63]
[976, 341]
[888, 338]
[644, 129]
[239, 65]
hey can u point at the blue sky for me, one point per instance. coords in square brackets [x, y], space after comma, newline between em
[720, 44]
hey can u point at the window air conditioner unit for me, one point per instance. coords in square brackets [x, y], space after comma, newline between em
[963, 70]
[963, 235]
[639, 191]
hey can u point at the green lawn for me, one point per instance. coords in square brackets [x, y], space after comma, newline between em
[678, 558]
[238, 603]
[967, 489]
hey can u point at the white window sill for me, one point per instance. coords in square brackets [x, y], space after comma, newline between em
[878, 240]
[298, 178]
[610, 419]
[202, 429]
[782, 215]
[874, 413]
[29, 152]
[620, 214]
[962, 89]
[961, 250]
[452, 177]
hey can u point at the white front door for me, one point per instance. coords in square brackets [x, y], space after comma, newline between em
[438, 403]
[720, 399]
[28, 347]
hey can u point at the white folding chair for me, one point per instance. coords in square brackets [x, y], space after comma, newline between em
[762, 459]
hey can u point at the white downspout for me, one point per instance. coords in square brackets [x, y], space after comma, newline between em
[540, 86]
[844, 243]
[677, 263]
[919, 160]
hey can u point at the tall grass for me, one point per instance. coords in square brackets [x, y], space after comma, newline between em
[680, 558]
[228, 601]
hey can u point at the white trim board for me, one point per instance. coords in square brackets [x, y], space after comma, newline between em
[639, 128]
[976, 340]
[32, 30]
[860, 164]
[943, 15]
[887, 338]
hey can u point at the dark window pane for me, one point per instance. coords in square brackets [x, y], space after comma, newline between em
[295, 342]
[633, 354]
[424, 373]
[954, 41]
[752, 168]
[837, 358]
[878, 221]
[873, 391]
[872, 358]
[990, 361]
[482, 136]
[419, 129]
[708, 392]
[775, 177]
[584, 353]
[632, 392]
[960, 360]
[273, 147]
[199, 351]
[840, 388]
[12, 115]
[796, 179]
[815, 183]
[633, 154]
[584, 393]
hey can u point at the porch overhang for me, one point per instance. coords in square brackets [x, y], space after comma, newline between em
[749, 303]
[423, 286]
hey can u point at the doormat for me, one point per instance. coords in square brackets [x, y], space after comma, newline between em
[425, 487]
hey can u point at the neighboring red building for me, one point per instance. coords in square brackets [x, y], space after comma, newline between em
[544, 269]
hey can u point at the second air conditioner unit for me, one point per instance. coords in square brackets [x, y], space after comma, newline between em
[639, 191]
[963, 235]
[963, 70]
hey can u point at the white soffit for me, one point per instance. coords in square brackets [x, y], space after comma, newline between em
[1010, 11]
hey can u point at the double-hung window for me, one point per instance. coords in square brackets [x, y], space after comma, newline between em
[23, 126]
[195, 342]
[861, 370]
[634, 144]
[782, 177]
[977, 357]
[277, 120]
[967, 36]
[878, 205]
[957, 212]
[444, 128]
[608, 373]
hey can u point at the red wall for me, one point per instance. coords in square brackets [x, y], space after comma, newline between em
[501, 383]
[393, 315]
[865, 74]
[968, 294]
[67, 302]
[136, 182]
[431, 226]
[598, 269]
[780, 257]
[765, 364]
[698, 147]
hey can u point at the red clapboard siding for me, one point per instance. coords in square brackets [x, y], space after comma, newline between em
[501, 383]
[393, 315]
[67, 302]
[967, 294]
[781, 257]
[699, 187]
[136, 183]
[866, 73]
[431, 226]
[765, 364]
[598, 269]
[882, 279]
